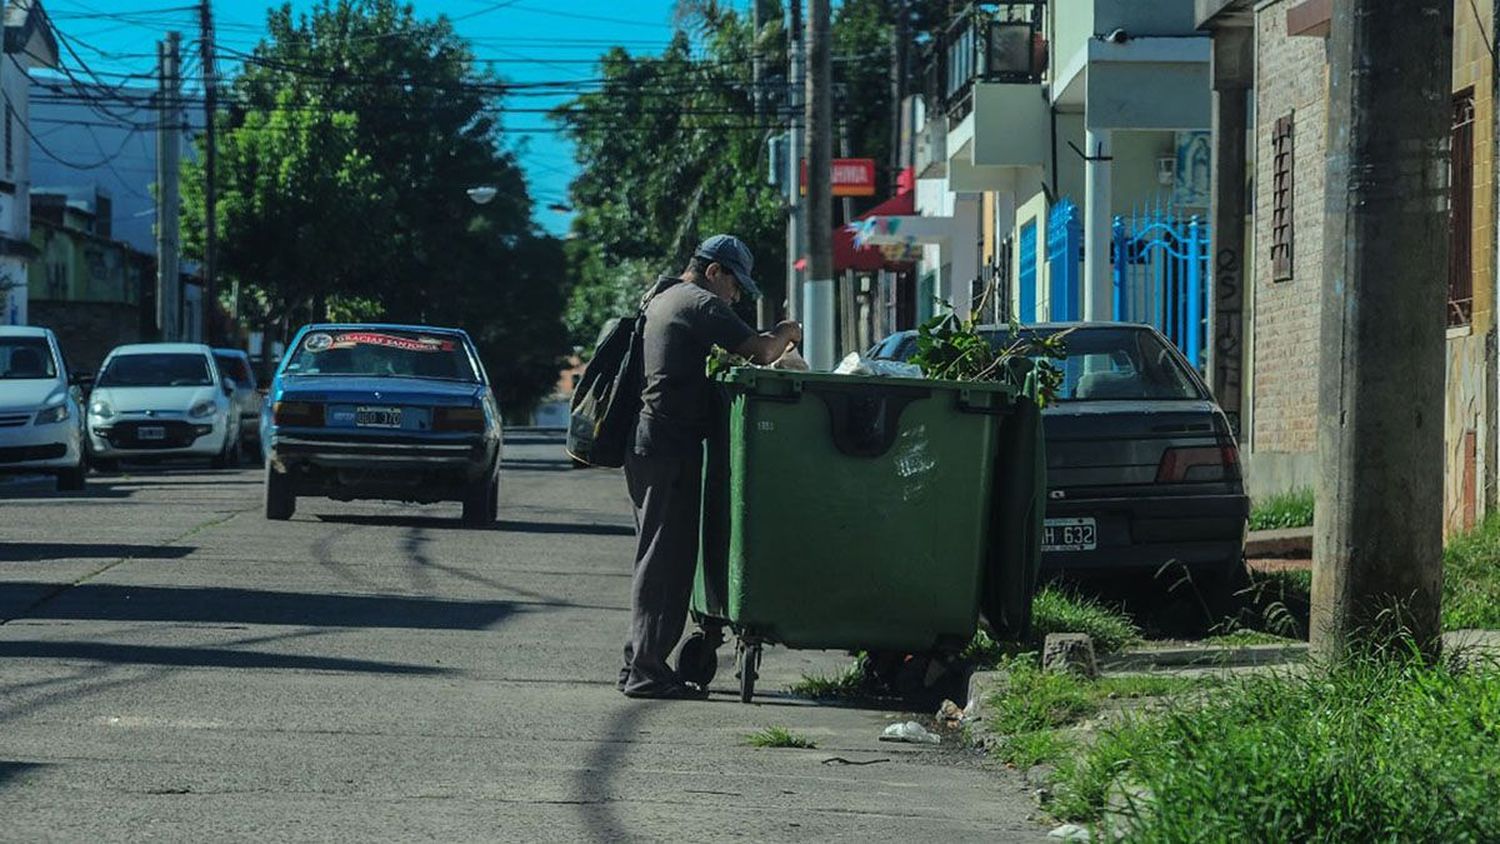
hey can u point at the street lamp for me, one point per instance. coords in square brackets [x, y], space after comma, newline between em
[482, 194]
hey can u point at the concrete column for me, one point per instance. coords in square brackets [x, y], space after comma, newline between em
[1098, 284]
[1233, 74]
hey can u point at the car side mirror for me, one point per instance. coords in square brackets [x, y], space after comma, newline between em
[230, 386]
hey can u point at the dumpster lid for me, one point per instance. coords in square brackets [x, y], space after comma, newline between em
[747, 375]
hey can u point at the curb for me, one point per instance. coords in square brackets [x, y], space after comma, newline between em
[1208, 657]
[1295, 542]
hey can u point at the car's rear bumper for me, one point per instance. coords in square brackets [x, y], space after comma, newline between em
[1146, 533]
[393, 454]
[393, 467]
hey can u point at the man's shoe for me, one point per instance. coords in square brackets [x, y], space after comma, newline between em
[679, 691]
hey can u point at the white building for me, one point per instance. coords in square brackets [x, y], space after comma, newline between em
[28, 44]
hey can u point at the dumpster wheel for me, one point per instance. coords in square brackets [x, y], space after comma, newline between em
[698, 660]
[749, 669]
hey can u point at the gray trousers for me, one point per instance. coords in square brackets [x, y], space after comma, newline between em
[665, 493]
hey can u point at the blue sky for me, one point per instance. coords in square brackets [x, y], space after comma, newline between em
[526, 41]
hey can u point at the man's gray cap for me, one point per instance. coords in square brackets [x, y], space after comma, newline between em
[732, 254]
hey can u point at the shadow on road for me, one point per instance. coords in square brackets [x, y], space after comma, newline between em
[515, 526]
[533, 465]
[35, 552]
[188, 657]
[508, 525]
[222, 605]
[14, 770]
[594, 781]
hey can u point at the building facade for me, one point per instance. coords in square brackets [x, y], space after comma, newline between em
[28, 44]
[1281, 288]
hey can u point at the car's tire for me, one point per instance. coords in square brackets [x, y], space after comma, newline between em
[481, 500]
[72, 480]
[281, 501]
[229, 458]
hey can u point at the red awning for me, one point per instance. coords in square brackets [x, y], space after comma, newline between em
[847, 256]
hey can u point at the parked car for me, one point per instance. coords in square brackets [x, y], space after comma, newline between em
[1143, 469]
[157, 400]
[41, 409]
[391, 412]
[247, 398]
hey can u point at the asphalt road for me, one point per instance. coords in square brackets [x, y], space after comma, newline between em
[173, 666]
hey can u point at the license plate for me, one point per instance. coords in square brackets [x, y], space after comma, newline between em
[151, 432]
[1070, 535]
[377, 417]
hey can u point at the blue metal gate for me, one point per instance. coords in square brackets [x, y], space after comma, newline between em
[1027, 275]
[1065, 260]
[1160, 271]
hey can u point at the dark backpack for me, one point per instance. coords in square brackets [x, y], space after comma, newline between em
[607, 401]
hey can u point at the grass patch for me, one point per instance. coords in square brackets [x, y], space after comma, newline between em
[1245, 638]
[848, 685]
[1393, 750]
[1292, 509]
[1031, 711]
[1055, 610]
[1471, 579]
[779, 737]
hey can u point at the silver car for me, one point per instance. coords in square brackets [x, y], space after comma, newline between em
[41, 412]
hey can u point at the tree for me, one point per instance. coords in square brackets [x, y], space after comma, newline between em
[349, 137]
[672, 149]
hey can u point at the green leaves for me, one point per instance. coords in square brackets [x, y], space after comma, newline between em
[349, 137]
[954, 349]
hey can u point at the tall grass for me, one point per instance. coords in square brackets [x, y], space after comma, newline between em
[1292, 509]
[1390, 749]
[1471, 579]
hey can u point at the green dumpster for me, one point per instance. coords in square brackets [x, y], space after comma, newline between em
[864, 513]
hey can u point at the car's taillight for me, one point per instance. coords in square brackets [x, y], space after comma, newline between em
[465, 419]
[298, 414]
[1200, 463]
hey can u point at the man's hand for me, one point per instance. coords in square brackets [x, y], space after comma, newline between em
[790, 330]
[767, 348]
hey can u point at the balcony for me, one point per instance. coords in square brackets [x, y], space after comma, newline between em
[1002, 43]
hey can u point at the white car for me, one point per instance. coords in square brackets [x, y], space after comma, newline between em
[41, 417]
[158, 400]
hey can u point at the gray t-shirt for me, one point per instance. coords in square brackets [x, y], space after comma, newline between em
[683, 323]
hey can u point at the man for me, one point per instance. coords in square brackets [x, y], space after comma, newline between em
[686, 318]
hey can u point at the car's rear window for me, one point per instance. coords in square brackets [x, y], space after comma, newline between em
[1119, 364]
[382, 353]
[1102, 364]
[153, 369]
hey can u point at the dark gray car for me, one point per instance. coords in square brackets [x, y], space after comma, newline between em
[1142, 465]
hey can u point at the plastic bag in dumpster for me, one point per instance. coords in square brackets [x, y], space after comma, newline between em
[856, 364]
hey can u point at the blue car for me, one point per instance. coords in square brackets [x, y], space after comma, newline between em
[388, 412]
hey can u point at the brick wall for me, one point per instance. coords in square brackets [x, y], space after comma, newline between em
[87, 331]
[1291, 80]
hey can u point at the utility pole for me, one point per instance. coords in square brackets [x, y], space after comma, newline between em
[848, 324]
[210, 189]
[794, 155]
[899, 39]
[818, 295]
[168, 151]
[765, 313]
[1379, 537]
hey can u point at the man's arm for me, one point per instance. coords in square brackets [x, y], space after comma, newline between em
[768, 348]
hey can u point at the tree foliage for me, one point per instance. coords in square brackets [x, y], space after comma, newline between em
[349, 137]
[673, 148]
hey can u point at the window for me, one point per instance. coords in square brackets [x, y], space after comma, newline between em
[1281, 200]
[1461, 212]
